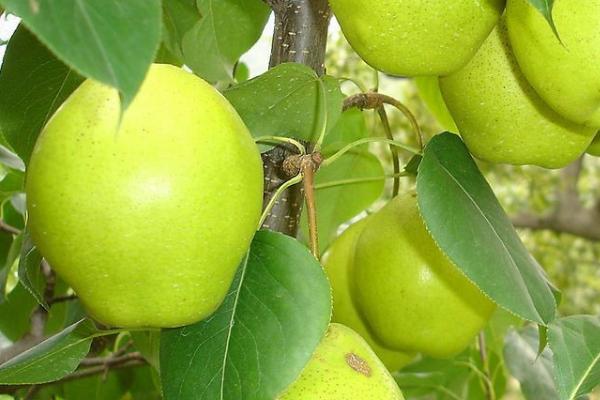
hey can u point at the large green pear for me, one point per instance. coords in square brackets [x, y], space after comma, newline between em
[411, 295]
[338, 262]
[500, 116]
[146, 216]
[564, 71]
[594, 148]
[343, 367]
[416, 37]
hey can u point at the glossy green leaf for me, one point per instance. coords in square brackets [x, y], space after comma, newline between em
[113, 42]
[52, 359]
[575, 342]
[33, 84]
[258, 341]
[545, 7]
[470, 226]
[286, 101]
[211, 35]
[30, 271]
[534, 373]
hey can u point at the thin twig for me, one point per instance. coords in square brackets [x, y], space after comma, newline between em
[374, 100]
[62, 299]
[5, 227]
[489, 388]
[395, 157]
[308, 167]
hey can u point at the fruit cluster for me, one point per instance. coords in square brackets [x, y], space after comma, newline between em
[521, 90]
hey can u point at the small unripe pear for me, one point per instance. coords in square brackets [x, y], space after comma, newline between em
[338, 262]
[343, 367]
[412, 297]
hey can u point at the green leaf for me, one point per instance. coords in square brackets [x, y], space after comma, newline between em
[575, 342]
[350, 127]
[468, 223]
[109, 41]
[258, 341]
[30, 271]
[13, 251]
[457, 378]
[211, 35]
[52, 359]
[148, 344]
[12, 183]
[337, 203]
[533, 372]
[430, 93]
[545, 8]
[285, 101]
[33, 84]
[15, 313]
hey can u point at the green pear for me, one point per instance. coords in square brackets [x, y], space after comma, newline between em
[338, 262]
[146, 216]
[564, 72]
[416, 37]
[594, 148]
[409, 293]
[500, 116]
[343, 367]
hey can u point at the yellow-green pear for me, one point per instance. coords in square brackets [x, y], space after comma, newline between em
[416, 37]
[338, 262]
[410, 294]
[500, 116]
[594, 148]
[564, 72]
[146, 216]
[343, 367]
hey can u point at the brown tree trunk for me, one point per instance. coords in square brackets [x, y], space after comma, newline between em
[300, 36]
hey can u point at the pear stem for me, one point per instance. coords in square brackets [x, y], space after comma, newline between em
[308, 166]
[360, 142]
[395, 157]
[374, 100]
[489, 388]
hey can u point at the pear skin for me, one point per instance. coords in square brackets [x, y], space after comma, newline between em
[564, 72]
[500, 116]
[338, 262]
[146, 216]
[343, 367]
[412, 297]
[416, 37]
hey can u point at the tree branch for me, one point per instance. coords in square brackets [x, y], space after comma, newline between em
[569, 215]
[300, 36]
